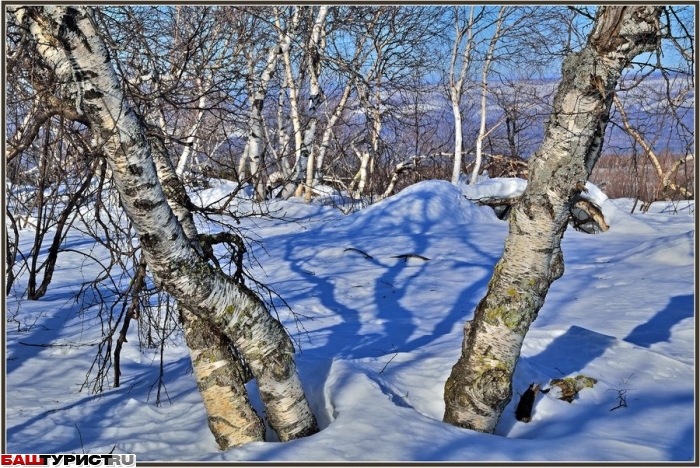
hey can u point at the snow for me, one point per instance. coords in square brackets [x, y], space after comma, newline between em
[381, 335]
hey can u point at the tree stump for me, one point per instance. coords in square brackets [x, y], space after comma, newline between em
[523, 412]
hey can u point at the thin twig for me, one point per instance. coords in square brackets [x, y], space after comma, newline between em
[392, 358]
[80, 436]
[360, 251]
[405, 257]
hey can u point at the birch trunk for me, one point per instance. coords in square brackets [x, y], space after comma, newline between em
[373, 116]
[284, 166]
[484, 91]
[328, 133]
[457, 86]
[221, 382]
[315, 52]
[457, 167]
[68, 41]
[220, 374]
[191, 138]
[286, 37]
[254, 147]
[664, 177]
[480, 384]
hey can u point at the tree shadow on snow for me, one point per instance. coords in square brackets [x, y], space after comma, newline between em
[384, 286]
[38, 337]
[564, 434]
[567, 354]
[658, 328]
[571, 351]
[393, 278]
[126, 417]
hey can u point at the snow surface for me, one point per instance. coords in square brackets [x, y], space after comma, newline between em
[383, 333]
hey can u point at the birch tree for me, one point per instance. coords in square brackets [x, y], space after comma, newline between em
[666, 185]
[520, 103]
[314, 55]
[254, 147]
[184, 70]
[289, 33]
[353, 25]
[484, 91]
[464, 33]
[398, 43]
[480, 384]
[68, 41]
[220, 374]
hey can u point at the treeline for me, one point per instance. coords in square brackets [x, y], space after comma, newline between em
[366, 99]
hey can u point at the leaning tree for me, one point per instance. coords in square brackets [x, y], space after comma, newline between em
[480, 384]
[68, 41]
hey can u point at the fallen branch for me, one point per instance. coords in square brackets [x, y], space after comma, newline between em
[583, 211]
[405, 257]
[353, 249]
[396, 353]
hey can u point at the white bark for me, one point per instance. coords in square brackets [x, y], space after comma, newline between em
[664, 177]
[283, 135]
[191, 138]
[254, 147]
[314, 55]
[373, 114]
[203, 82]
[457, 84]
[408, 164]
[359, 58]
[480, 384]
[293, 87]
[68, 41]
[484, 92]
[328, 132]
[360, 179]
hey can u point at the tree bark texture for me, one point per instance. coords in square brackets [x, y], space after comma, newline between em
[484, 90]
[314, 55]
[220, 374]
[256, 143]
[68, 40]
[480, 384]
[232, 419]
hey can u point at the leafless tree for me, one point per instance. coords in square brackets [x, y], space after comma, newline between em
[68, 42]
[480, 384]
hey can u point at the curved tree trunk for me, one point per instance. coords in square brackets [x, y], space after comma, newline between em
[221, 382]
[67, 39]
[220, 374]
[480, 385]
[665, 183]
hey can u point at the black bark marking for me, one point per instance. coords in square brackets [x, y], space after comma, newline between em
[69, 19]
[92, 94]
[135, 169]
[84, 75]
[70, 23]
[147, 205]
[149, 241]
